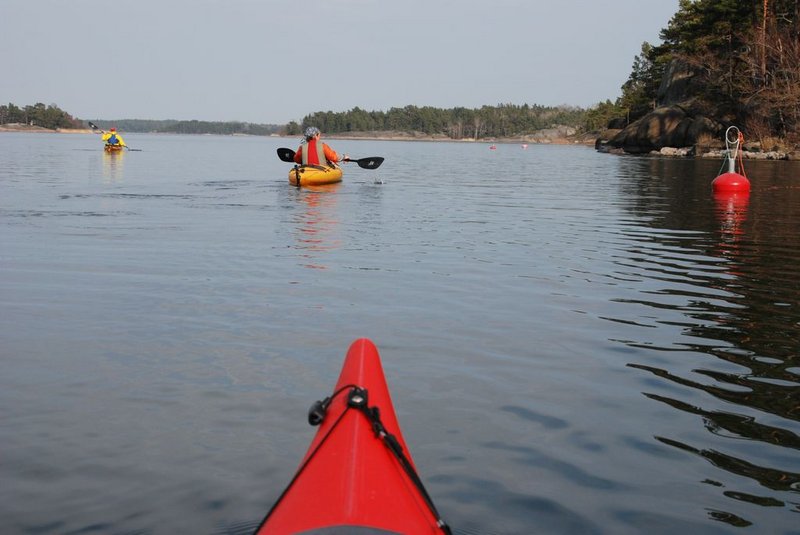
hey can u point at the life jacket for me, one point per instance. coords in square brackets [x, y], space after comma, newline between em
[314, 153]
[112, 140]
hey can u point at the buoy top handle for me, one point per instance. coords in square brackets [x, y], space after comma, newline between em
[732, 146]
[732, 131]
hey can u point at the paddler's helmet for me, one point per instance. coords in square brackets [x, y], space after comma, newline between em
[310, 132]
[113, 129]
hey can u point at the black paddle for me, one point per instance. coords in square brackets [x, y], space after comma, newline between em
[95, 127]
[373, 162]
[287, 155]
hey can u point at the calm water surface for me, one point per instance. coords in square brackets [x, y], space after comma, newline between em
[575, 342]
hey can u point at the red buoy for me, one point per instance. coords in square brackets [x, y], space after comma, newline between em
[732, 182]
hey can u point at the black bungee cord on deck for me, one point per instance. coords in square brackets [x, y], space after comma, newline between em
[358, 399]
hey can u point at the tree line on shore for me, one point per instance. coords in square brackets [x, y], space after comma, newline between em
[53, 117]
[38, 114]
[170, 126]
[736, 61]
[503, 120]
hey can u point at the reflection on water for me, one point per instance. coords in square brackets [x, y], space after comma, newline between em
[731, 211]
[739, 292]
[113, 166]
[316, 223]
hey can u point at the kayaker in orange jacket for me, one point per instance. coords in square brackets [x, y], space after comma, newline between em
[316, 152]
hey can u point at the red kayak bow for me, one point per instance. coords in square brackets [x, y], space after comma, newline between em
[357, 476]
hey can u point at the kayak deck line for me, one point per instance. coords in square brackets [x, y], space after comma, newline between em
[357, 472]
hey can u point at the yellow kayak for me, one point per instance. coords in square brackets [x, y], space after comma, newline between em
[314, 175]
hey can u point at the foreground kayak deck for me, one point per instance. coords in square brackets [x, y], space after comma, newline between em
[352, 479]
[314, 175]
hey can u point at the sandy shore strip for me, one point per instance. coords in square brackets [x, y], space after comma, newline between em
[17, 127]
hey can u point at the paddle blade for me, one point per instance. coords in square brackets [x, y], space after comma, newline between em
[369, 163]
[286, 155]
[92, 125]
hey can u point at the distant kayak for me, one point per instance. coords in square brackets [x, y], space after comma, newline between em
[314, 175]
[113, 148]
[357, 476]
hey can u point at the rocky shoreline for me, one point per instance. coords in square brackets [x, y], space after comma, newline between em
[689, 152]
[683, 131]
[750, 151]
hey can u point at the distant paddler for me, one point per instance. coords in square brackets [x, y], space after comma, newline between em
[113, 141]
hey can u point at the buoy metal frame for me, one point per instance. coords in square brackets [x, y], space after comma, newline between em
[732, 181]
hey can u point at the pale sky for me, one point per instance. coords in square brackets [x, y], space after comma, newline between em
[274, 61]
